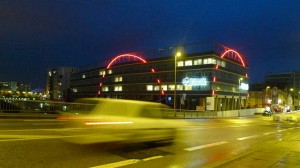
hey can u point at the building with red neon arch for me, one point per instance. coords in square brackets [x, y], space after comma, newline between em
[205, 71]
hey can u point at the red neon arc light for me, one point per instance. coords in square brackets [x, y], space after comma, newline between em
[239, 56]
[125, 55]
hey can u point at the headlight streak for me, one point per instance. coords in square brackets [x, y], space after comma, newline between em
[108, 123]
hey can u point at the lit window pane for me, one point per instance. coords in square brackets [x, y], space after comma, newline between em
[188, 63]
[179, 87]
[188, 88]
[198, 62]
[164, 87]
[156, 88]
[149, 87]
[171, 87]
[180, 63]
[118, 88]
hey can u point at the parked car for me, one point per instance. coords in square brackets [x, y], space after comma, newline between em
[99, 120]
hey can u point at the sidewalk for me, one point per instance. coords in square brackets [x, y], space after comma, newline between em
[27, 116]
[281, 154]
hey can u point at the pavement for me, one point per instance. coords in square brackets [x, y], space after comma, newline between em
[28, 116]
[282, 153]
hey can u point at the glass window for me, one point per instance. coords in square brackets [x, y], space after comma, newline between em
[223, 64]
[149, 87]
[205, 61]
[83, 76]
[105, 89]
[102, 72]
[171, 87]
[212, 61]
[188, 88]
[198, 62]
[164, 87]
[188, 63]
[118, 88]
[180, 63]
[110, 71]
[156, 88]
[118, 79]
[179, 87]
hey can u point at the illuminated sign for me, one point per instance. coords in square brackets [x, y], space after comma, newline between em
[194, 81]
[244, 86]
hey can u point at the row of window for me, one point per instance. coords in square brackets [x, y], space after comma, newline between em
[200, 61]
[179, 64]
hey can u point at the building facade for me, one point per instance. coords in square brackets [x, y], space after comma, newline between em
[207, 76]
[58, 83]
[283, 89]
[199, 76]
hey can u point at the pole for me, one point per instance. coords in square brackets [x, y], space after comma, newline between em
[175, 82]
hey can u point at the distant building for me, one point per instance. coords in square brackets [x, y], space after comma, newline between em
[58, 83]
[9, 86]
[207, 76]
[279, 90]
[289, 84]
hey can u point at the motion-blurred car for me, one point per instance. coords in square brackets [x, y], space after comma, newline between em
[98, 120]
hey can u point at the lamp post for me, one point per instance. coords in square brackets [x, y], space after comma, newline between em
[240, 96]
[178, 54]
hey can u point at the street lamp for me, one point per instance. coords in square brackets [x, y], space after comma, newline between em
[178, 54]
[240, 94]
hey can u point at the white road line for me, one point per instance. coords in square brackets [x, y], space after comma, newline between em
[126, 162]
[206, 146]
[268, 133]
[118, 164]
[153, 157]
[247, 137]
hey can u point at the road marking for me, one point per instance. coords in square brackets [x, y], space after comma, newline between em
[268, 133]
[153, 157]
[206, 146]
[118, 164]
[247, 137]
[126, 162]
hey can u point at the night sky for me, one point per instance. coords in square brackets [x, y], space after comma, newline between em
[40, 34]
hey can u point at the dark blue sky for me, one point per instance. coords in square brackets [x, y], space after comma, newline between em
[38, 34]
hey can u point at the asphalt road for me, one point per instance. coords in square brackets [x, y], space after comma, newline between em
[206, 143]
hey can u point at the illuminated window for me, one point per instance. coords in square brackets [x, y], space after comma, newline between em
[188, 63]
[180, 63]
[149, 87]
[198, 62]
[223, 64]
[118, 79]
[105, 89]
[50, 74]
[188, 88]
[171, 87]
[211, 61]
[83, 76]
[156, 88]
[75, 90]
[110, 71]
[102, 72]
[179, 87]
[205, 61]
[118, 88]
[164, 87]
